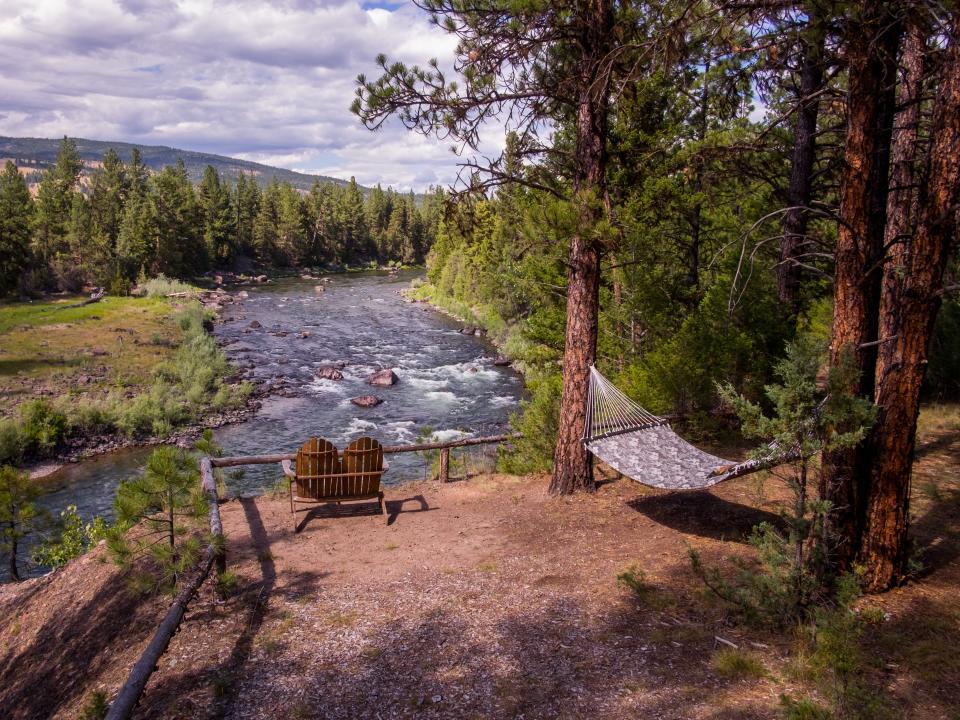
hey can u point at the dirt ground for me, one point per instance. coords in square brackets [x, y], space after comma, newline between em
[484, 598]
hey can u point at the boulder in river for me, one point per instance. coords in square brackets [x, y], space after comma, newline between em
[383, 378]
[255, 325]
[304, 334]
[501, 361]
[319, 289]
[328, 372]
[467, 330]
[366, 401]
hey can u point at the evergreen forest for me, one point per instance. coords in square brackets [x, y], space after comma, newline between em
[125, 221]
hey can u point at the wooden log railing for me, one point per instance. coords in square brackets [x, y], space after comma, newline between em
[215, 556]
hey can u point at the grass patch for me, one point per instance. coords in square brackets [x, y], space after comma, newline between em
[734, 664]
[103, 374]
[161, 286]
[635, 580]
[802, 709]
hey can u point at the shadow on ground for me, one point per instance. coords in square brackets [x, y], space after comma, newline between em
[72, 645]
[703, 514]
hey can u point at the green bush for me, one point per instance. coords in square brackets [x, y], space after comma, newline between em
[96, 707]
[538, 421]
[161, 286]
[74, 539]
[735, 664]
[11, 442]
[43, 426]
[803, 709]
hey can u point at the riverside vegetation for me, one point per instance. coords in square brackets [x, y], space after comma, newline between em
[143, 388]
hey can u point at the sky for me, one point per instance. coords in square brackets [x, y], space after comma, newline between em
[270, 81]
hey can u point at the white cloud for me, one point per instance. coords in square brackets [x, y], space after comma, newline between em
[265, 81]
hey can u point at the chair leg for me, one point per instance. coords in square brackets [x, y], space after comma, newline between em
[383, 507]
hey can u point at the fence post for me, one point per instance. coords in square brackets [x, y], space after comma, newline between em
[445, 465]
[209, 485]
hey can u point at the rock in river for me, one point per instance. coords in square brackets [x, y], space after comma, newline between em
[383, 378]
[366, 400]
[328, 372]
[255, 325]
[501, 361]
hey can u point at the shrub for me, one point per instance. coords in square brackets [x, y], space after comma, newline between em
[735, 664]
[43, 426]
[227, 583]
[74, 539]
[96, 707]
[11, 442]
[162, 286]
[802, 709]
[538, 421]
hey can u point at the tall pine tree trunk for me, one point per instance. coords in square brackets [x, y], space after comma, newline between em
[911, 298]
[572, 469]
[856, 290]
[801, 167]
[14, 571]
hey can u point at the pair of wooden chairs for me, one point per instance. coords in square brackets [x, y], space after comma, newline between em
[322, 475]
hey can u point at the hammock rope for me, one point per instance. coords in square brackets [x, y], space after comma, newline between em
[643, 447]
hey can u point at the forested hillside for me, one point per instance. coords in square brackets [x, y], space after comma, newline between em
[128, 221]
[34, 155]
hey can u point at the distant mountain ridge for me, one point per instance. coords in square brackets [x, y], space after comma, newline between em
[42, 153]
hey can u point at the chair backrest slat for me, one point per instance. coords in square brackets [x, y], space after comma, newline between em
[317, 465]
[362, 466]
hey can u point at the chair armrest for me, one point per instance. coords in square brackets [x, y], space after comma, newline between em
[288, 469]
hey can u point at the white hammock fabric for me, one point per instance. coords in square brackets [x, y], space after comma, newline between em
[642, 446]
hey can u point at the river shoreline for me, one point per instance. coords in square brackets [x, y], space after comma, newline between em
[84, 447]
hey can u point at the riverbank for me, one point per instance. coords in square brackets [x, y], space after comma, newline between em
[81, 380]
[482, 322]
[487, 598]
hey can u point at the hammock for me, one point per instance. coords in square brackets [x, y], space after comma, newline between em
[642, 446]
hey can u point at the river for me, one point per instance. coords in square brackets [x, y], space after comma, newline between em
[448, 385]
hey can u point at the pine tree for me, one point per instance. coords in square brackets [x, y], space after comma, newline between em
[158, 516]
[219, 231]
[136, 241]
[55, 201]
[355, 237]
[19, 514]
[108, 192]
[180, 251]
[246, 207]
[266, 229]
[16, 216]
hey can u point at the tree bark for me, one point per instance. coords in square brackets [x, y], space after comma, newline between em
[856, 291]
[911, 298]
[14, 572]
[571, 471]
[801, 168]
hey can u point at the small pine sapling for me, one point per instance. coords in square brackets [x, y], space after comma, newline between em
[159, 515]
[806, 421]
[19, 513]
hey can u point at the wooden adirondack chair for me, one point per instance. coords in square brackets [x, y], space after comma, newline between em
[320, 475]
